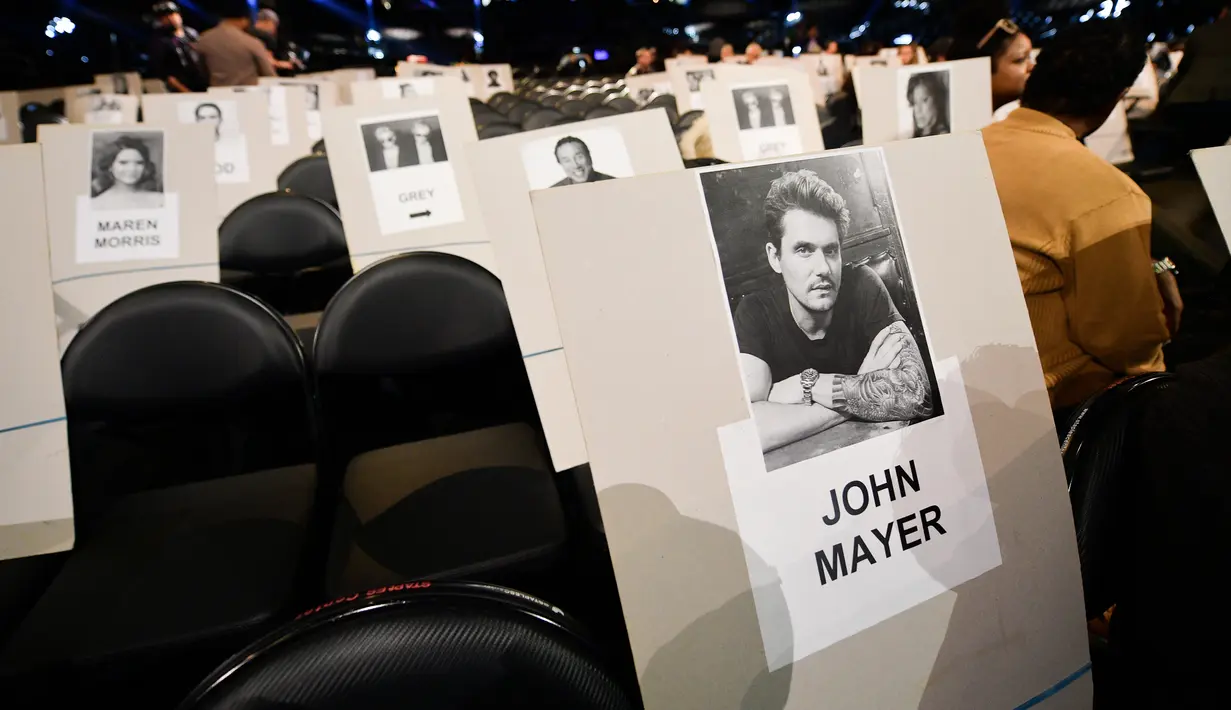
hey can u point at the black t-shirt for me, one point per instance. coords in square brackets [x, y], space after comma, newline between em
[766, 329]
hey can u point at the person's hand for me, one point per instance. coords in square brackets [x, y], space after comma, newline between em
[1173, 305]
[886, 348]
[788, 391]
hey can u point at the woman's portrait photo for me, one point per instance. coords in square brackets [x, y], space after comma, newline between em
[924, 104]
[126, 170]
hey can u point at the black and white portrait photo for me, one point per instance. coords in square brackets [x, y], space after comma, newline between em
[126, 169]
[924, 103]
[830, 335]
[119, 82]
[403, 143]
[763, 107]
[407, 90]
[312, 96]
[220, 114]
[695, 77]
[581, 156]
[493, 79]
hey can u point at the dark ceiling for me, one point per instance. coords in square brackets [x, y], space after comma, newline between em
[111, 34]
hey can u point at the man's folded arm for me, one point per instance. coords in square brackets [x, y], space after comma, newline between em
[781, 424]
[897, 392]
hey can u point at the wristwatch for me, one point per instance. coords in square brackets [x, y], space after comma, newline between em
[1165, 264]
[808, 378]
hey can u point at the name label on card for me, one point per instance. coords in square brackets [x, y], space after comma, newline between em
[141, 232]
[231, 160]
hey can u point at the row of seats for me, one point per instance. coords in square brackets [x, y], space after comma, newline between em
[209, 458]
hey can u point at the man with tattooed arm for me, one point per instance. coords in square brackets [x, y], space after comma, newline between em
[826, 344]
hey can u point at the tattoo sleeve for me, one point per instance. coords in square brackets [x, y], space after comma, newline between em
[891, 394]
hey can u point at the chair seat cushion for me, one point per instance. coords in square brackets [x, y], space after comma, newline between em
[461, 506]
[165, 568]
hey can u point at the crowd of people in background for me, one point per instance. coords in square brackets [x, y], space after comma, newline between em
[235, 52]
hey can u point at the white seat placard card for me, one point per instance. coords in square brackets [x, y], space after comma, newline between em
[36, 500]
[1214, 169]
[505, 172]
[288, 121]
[686, 80]
[761, 112]
[484, 80]
[401, 179]
[916, 101]
[127, 207]
[319, 95]
[829, 477]
[392, 88]
[103, 109]
[644, 87]
[244, 164]
[10, 120]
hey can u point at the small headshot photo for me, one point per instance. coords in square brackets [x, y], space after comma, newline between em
[220, 114]
[104, 102]
[695, 77]
[407, 90]
[763, 107]
[830, 335]
[404, 143]
[644, 95]
[312, 96]
[924, 106]
[120, 83]
[493, 79]
[126, 170]
[577, 157]
[429, 72]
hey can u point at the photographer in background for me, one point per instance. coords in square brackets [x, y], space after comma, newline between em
[173, 55]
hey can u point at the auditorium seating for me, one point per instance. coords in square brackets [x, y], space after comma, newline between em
[431, 427]
[436, 645]
[192, 441]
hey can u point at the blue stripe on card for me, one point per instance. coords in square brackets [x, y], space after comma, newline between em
[1055, 689]
[31, 425]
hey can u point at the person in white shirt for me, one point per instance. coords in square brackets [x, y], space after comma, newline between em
[777, 108]
[423, 146]
[752, 105]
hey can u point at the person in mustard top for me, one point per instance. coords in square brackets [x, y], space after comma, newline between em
[1100, 306]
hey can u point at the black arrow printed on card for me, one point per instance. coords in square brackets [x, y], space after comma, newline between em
[424, 213]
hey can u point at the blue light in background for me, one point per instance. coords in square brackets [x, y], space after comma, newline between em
[601, 55]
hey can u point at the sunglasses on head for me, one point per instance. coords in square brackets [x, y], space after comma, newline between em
[1004, 25]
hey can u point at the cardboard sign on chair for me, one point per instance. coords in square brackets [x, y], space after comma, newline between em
[288, 121]
[36, 500]
[393, 88]
[484, 80]
[644, 87]
[757, 113]
[244, 161]
[401, 179]
[127, 207]
[914, 101]
[10, 117]
[319, 95]
[686, 81]
[1214, 169]
[103, 109]
[787, 531]
[505, 172]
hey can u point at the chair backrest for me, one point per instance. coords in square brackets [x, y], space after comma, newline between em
[623, 104]
[601, 112]
[543, 118]
[495, 130]
[666, 102]
[502, 101]
[518, 113]
[318, 148]
[310, 176]
[417, 346]
[281, 233]
[436, 645]
[687, 119]
[574, 108]
[593, 97]
[1096, 464]
[183, 382]
[702, 162]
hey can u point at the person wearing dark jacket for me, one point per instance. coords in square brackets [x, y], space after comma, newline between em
[1198, 97]
[173, 54]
